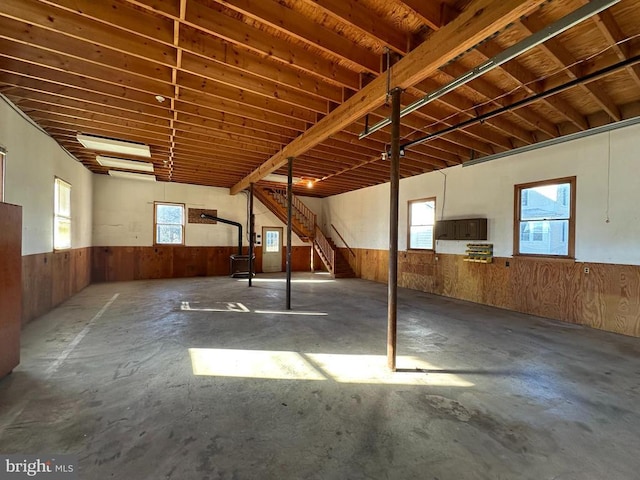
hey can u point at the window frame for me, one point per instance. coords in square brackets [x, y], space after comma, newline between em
[155, 223]
[60, 181]
[572, 217]
[409, 224]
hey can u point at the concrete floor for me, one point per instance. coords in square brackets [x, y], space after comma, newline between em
[154, 384]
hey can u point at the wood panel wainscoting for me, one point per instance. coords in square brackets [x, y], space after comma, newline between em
[607, 297]
[48, 279]
[10, 286]
[114, 264]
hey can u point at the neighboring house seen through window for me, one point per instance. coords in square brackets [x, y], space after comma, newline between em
[62, 215]
[545, 218]
[169, 223]
[422, 218]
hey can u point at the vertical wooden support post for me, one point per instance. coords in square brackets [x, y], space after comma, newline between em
[289, 215]
[251, 233]
[392, 316]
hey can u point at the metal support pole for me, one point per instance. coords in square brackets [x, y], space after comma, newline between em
[392, 316]
[251, 232]
[289, 215]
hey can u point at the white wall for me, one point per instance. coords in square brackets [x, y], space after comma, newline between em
[33, 161]
[123, 212]
[487, 189]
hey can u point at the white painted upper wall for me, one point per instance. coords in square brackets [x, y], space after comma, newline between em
[123, 212]
[487, 190]
[33, 161]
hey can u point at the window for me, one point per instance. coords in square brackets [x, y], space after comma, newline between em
[421, 221]
[545, 218]
[62, 215]
[169, 223]
[272, 242]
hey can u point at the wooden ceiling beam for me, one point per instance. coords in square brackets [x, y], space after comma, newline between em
[77, 109]
[431, 12]
[300, 27]
[612, 33]
[215, 117]
[366, 21]
[239, 33]
[52, 41]
[478, 21]
[186, 123]
[208, 87]
[196, 104]
[565, 60]
[120, 15]
[250, 83]
[64, 79]
[222, 52]
[62, 21]
[87, 70]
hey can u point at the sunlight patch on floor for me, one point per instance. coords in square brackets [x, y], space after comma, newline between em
[342, 368]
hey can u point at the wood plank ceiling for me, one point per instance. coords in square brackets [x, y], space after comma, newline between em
[242, 79]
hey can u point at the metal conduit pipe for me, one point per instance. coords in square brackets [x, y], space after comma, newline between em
[526, 101]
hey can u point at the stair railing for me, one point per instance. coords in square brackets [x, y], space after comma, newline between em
[343, 241]
[325, 248]
[308, 219]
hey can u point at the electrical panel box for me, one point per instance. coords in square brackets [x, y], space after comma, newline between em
[462, 229]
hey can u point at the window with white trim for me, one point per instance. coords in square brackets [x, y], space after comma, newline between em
[545, 218]
[61, 215]
[169, 223]
[422, 218]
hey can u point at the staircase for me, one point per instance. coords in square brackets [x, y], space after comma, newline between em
[303, 224]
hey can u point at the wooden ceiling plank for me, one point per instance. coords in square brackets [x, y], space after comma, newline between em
[362, 18]
[38, 88]
[218, 90]
[58, 20]
[430, 12]
[77, 67]
[298, 26]
[221, 105]
[51, 76]
[250, 83]
[530, 83]
[240, 34]
[120, 15]
[199, 116]
[106, 130]
[96, 121]
[51, 41]
[221, 52]
[185, 122]
[566, 60]
[71, 107]
[611, 31]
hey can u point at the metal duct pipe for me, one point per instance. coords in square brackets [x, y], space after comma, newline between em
[228, 222]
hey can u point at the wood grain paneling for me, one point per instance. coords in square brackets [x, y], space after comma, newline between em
[10, 286]
[48, 279]
[112, 264]
[607, 298]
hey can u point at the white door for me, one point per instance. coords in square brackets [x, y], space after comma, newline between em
[271, 249]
